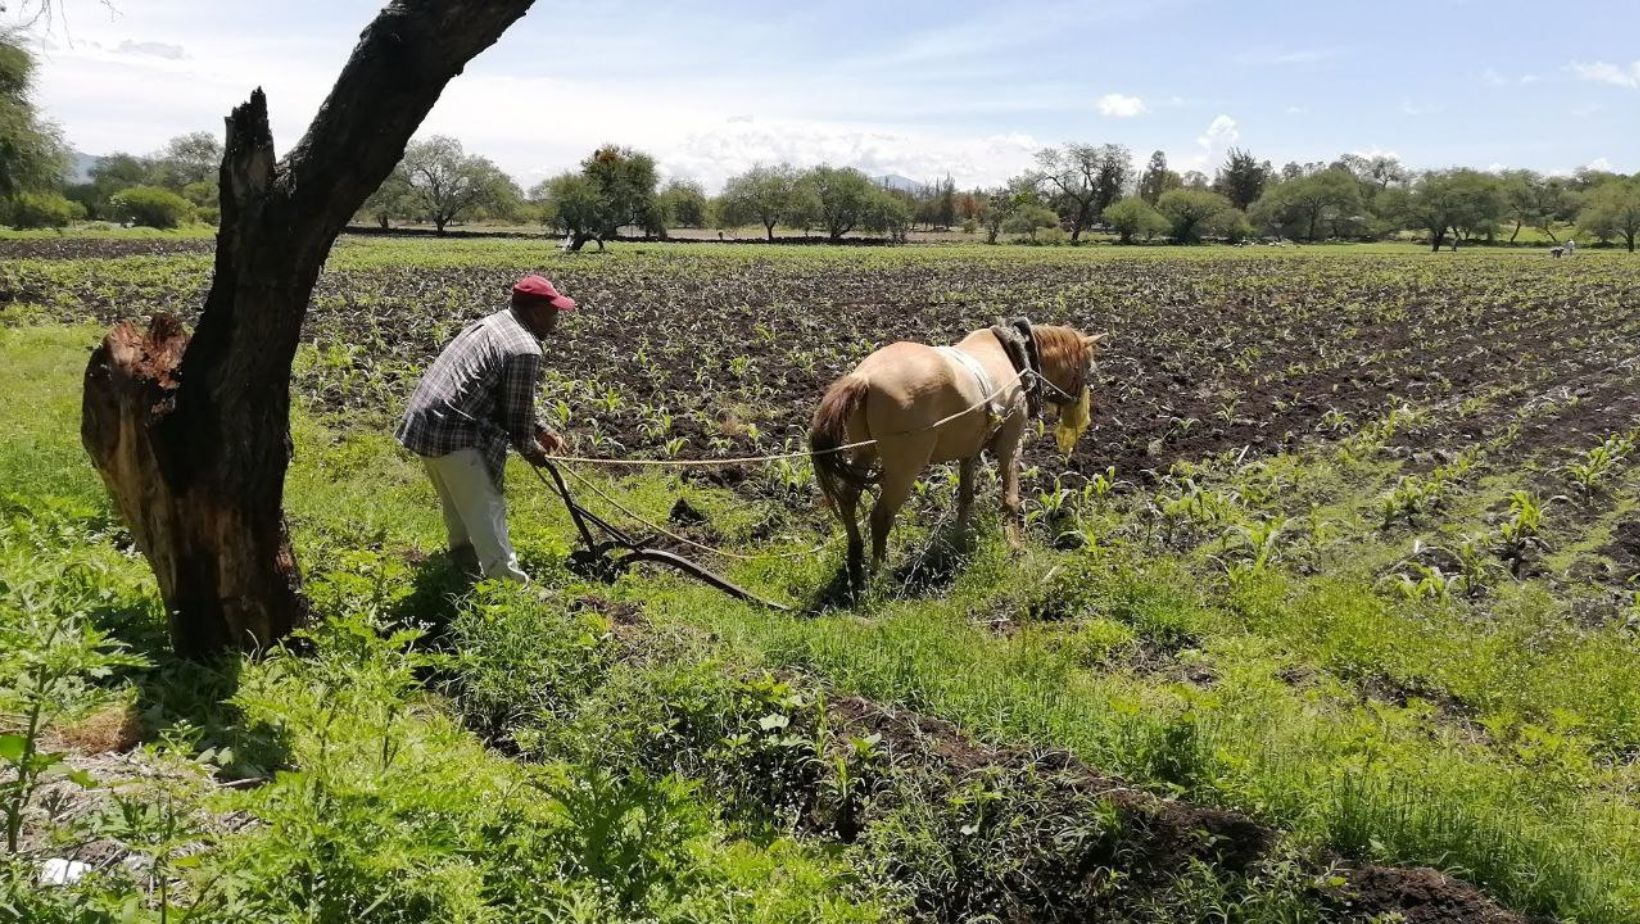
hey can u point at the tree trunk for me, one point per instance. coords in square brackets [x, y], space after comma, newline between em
[382, 220]
[769, 227]
[1435, 240]
[192, 435]
[1516, 232]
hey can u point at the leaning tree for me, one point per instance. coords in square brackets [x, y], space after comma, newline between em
[192, 434]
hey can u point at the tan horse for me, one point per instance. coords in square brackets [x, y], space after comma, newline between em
[899, 395]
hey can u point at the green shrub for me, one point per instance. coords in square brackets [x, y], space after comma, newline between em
[39, 210]
[151, 207]
[522, 660]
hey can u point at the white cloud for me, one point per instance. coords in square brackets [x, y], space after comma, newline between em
[1212, 145]
[1375, 152]
[1118, 106]
[713, 153]
[1222, 131]
[1615, 74]
[1600, 163]
[1420, 109]
[1587, 109]
[1296, 110]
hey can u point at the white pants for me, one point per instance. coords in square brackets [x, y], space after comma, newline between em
[474, 511]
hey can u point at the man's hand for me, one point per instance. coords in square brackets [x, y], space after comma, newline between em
[548, 440]
[534, 454]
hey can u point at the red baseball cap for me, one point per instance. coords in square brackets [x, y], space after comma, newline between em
[534, 288]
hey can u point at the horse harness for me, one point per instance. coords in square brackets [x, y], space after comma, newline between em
[995, 411]
[1018, 340]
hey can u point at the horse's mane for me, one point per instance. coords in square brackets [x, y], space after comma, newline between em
[1061, 347]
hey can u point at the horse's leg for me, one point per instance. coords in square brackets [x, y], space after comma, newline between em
[1007, 451]
[896, 487]
[965, 491]
[848, 507]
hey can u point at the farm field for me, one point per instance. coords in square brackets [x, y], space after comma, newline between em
[1337, 592]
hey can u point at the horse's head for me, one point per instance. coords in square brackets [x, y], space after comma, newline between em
[1067, 357]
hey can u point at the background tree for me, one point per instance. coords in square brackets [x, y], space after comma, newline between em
[1079, 180]
[625, 180]
[1535, 201]
[110, 175]
[1190, 212]
[1157, 179]
[615, 188]
[32, 154]
[1242, 178]
[188, 159]
[38, 210]
[842, 196]
[889, 212]
[1026, 219]
[1192, 179]
[1613, 210]
[393, 199]
[191, 435]
[1375, 173]
[998, 205]
[1001, 202]
[572, 205]
[945, 203]
[682, 204]
[1303, 207]
[1460, 202]
[447, 184]
[1231, 224]
[151, 207]
[762, 195]
[1134, 217]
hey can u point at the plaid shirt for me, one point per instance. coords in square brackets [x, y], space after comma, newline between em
[479, 394]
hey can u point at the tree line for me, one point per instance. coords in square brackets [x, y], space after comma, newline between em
[1068, 192]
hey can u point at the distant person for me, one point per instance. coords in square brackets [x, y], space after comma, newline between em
[1454, 243]
[476, 398]
[1571, 247]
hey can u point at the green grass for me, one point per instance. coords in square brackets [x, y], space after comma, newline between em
[100, 231]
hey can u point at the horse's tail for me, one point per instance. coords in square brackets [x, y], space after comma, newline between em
[829, 431]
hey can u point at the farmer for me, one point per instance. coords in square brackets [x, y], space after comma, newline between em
[479, 396]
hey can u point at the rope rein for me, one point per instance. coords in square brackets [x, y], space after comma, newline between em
[809, 453]
[1017, 377]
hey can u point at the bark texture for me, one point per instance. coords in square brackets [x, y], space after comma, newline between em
[192, 435]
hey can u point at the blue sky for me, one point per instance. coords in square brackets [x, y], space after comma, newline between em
[919, 89]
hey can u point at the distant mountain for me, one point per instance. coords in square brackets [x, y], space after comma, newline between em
[895, 181]
[80, 166]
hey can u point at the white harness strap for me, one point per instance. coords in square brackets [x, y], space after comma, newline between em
[994, 410]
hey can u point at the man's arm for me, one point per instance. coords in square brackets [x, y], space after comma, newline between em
[515, 404]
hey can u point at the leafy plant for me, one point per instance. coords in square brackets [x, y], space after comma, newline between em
[51, 657]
